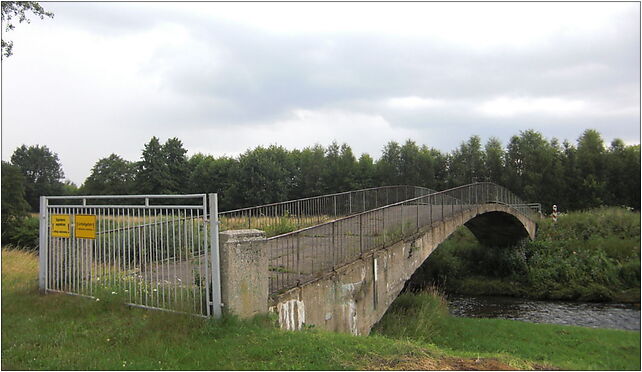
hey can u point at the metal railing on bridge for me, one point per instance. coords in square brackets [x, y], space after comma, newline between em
[300, 256]
[277, 218]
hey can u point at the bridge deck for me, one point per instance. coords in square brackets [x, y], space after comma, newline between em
[297, 258]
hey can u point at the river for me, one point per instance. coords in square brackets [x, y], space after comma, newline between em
[596, 315]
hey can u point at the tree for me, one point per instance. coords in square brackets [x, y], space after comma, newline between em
[426, 167]
[153, 173]
[14, 204]
[42, 171]
[389, 165]
[177, 168]
[112, 175]
[467, 163]
[494, 165]
[217, 175]
[18, 10]
[264, 175]
[409, 164]
[365, 172]
[16, 227]
[590, 166]
[310, 165]
[340, 168]
[440, 166]
[622, 165]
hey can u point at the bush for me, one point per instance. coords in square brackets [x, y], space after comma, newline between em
[590, 255]
[21, 232]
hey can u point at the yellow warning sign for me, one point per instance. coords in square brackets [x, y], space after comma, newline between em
[60, 226]
[85, 226]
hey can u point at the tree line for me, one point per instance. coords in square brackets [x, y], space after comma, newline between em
[585, 175]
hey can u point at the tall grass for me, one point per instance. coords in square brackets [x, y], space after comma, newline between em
[416, 316]
[423, 317]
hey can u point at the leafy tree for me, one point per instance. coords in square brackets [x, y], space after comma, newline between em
[347, 169]
[494, 165]
[410, 164]
[176, 160]
[153, 173]
[426, 167]
[14, 204]
[552, 187]
[529, 157]
[590, 166]
[466, 164]
[622, 174]
[217, 175]
[365, 172]
[42, 171]
[310, 165]
[340, 168]
[17, 227]
[264, 175]
[18, 10]
[389, 165]
[112, 175]
[440, 166]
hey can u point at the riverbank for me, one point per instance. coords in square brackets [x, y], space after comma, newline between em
[424, 317]
[67, 332]
[586, 256]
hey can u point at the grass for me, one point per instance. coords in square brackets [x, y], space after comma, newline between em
[67, 332]
[424, 318]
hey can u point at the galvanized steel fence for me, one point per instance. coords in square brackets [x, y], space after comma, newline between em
[300, 256]
[143, 248]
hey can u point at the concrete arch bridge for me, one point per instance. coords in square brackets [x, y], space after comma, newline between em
[352, 253]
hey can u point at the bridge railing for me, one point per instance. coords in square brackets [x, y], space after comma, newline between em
[278, 218]
[303, 255]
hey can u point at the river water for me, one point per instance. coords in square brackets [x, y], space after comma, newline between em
[596, 315]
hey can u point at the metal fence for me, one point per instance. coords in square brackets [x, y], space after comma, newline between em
[277, 218]
[152, 250]
[300, 256]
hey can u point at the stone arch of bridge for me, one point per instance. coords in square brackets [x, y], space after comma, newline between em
[354, 297]
[492, 229]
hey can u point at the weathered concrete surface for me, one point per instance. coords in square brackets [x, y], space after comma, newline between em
[354, 297]
[244, 264]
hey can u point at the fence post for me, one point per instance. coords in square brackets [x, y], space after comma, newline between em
[215, 259]
[335, 206]
[402, 222]
[42, 246]
[334, 248]
[417, 204]
[383, 223]
[361, 234]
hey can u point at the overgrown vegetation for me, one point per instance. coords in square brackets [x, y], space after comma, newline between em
[590, 255]
[424, 317]
[55, 332]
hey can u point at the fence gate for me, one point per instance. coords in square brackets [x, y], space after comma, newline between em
[155, 251]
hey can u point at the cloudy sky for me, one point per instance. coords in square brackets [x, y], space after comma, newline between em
[103, 78]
